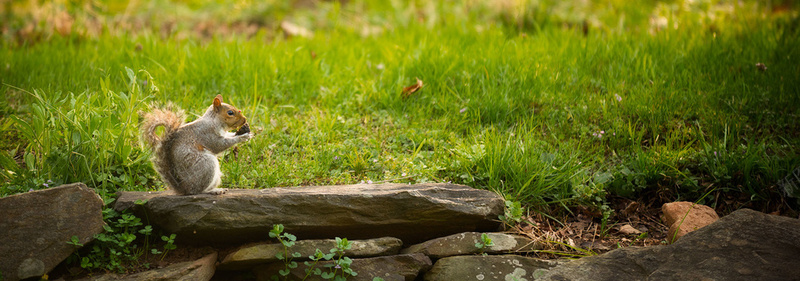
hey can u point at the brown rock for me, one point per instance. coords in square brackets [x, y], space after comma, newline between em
[412, 213]
[36, 226]
[685, 217]
[677, 210]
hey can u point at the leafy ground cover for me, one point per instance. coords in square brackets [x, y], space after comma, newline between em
[558, 105]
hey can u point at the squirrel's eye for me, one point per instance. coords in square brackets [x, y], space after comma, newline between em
[230, 112]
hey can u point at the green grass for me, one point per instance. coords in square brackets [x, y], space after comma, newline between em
[512, 102]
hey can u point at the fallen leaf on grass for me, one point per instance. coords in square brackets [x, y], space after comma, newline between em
[407, 91]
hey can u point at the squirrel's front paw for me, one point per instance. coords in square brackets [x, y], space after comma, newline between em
[245, 137]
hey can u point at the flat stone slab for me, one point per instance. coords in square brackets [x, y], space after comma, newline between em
[464, 244]
[390, 268]
[745, 245]
[36, 226]
[476, 267]
[413, 213]
[252, 255]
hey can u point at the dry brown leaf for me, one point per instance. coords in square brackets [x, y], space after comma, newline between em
[407, 91]
[628, 229]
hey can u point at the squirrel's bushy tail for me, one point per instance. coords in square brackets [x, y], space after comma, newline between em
[171, 118]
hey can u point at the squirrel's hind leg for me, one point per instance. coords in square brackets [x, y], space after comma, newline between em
[216, 181]
[216, 191]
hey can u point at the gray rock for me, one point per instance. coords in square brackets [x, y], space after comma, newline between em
[390, 268]
[252, 255]
[476, 267]
[413, 213]
[36, 226]
[198, 270]
[464, 244]
[745, 245]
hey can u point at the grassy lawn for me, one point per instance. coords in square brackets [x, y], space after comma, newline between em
[553, 104]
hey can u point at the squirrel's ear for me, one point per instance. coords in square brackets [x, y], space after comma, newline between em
[217, 100]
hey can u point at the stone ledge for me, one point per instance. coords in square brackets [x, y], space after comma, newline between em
[412, 213]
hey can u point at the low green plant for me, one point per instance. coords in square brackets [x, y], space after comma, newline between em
[119, 248]
[170, 244]
[338, 269]
[607, 212]
[287, 240]
[513, 213]
[314, 259]
[114, 248]
[75, 241]
[484, 243]
[88, 137]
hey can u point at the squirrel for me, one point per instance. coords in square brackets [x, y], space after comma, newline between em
[186, 155]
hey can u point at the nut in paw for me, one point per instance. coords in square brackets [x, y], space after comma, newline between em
[244, 129]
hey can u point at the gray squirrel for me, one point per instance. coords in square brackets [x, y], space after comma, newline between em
[186, 155]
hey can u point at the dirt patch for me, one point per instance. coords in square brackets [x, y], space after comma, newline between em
[584, 232]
